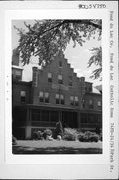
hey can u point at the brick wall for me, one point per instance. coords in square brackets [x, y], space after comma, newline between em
[17, 87]
[95, 99]
[42, 84]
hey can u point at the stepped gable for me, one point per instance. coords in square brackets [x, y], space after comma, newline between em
[60, 55]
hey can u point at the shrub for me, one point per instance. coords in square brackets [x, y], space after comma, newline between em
[69, 137]
[70, 134]
[47, 132]
[58, 130]
[88, 137]
[14, 140]
[37, 135]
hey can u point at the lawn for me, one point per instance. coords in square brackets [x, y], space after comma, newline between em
[56, 147]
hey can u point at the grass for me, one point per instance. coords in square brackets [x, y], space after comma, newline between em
[56, 147]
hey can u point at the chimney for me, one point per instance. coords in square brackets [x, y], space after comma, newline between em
[15, 57]
[35, 77]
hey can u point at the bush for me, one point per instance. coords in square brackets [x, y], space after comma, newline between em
[58, 130]
[69, 137]
[88, 137]
[14, 140]
[37, 135]
[47, 132]
[100, 137]
[70, 134]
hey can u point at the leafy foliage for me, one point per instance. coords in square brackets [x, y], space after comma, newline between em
[47, 37]
[96, 59]
[88, 137]
[70, 134]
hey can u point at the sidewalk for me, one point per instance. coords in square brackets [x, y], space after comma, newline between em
[57, 147]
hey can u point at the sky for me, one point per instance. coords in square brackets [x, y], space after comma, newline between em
[78, 57]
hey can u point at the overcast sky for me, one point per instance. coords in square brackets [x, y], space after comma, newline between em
[78, 57]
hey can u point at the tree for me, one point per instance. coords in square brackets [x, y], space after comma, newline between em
[47, 38]
[96, 59]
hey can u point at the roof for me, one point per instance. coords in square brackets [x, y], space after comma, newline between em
[95, 90]
[17, 67]
[14, 81]
[99, 88]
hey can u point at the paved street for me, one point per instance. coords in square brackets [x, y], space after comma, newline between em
[57, 147]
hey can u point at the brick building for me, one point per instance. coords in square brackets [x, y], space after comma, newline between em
[55, 93]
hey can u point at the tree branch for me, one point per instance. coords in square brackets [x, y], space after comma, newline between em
[73, 21]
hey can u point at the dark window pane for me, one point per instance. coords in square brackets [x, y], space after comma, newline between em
[41, 99]
[60, 63]
[46, 100]
[57, 101]
[23, 99]
[60, 81]
[62, 101]
[49, 79]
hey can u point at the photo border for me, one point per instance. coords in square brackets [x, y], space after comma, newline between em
[60, 171]
[58, 14]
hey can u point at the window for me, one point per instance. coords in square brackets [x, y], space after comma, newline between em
[23, 96]
[60, 63]
[83, 103]
[49, 77]
[57, 99]
[46, 97]
[76, 100]
[90, 89]
[91, 104]
[60, 99]
[70, 80]
[99, 103]
[60, 80]
[72, 100]
[41, 96]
